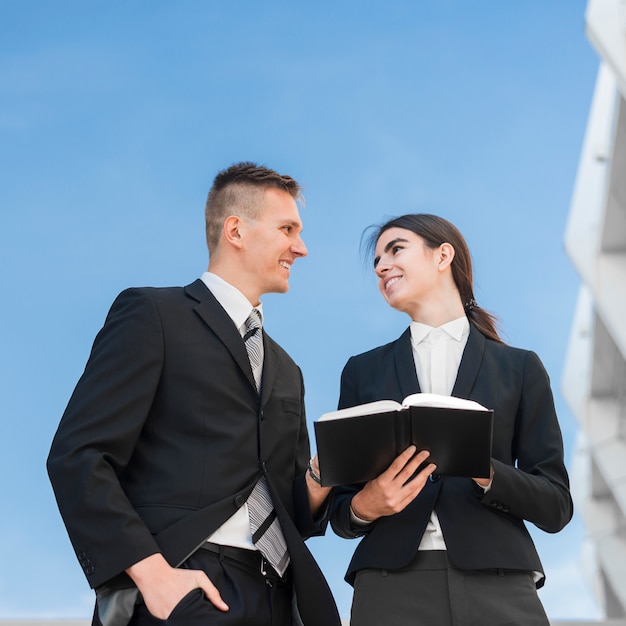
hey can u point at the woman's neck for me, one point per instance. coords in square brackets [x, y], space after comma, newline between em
[438, 312]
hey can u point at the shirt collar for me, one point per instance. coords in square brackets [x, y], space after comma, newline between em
[232, 300]
[458, 329]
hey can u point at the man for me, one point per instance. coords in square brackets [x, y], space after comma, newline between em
[180, 463]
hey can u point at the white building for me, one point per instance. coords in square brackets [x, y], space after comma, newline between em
[594, 380]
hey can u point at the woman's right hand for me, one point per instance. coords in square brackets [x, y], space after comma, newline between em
[390, 492]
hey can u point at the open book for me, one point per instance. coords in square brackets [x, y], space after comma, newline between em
[358, 443]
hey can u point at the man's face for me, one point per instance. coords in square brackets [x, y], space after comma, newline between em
[272, 243]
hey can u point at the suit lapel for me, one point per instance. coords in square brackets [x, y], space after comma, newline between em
[215, 317]
[405, 365]
[468, 368]
[470, 364]
[270, 368]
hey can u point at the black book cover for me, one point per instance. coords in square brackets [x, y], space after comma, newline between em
[359, 448]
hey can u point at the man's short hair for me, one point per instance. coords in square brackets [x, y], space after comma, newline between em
[238, 190]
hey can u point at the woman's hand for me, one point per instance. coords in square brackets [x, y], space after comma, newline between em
[390, 492]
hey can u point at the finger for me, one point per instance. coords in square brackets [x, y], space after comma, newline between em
[426, 472]
[399, 462]
[315, 464]
[416, 484]
[412, 465]
[412, 489]
[212, 594]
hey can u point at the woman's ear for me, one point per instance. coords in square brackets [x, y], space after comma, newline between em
[446, 254]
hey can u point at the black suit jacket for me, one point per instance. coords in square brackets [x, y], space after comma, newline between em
[481, 530]
[164, 438]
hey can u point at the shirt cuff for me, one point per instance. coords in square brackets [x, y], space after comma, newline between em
[356, 520]
[486, 488]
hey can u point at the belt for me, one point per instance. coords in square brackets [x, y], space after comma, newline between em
[250, 558]
[438, 560]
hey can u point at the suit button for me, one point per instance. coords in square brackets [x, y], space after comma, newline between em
[239, 500]
[90, 570]
[494, 504]
[506, 508]
[434, 478]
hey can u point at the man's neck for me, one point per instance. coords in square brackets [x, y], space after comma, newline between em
[236, 279]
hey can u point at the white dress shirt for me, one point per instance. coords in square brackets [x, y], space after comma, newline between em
[437, 353]
[235, 531]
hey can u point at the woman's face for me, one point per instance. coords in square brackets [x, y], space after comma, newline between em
[407, 269]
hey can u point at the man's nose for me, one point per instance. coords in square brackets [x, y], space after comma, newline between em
[299, 248]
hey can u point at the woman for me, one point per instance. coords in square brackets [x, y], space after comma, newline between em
[442, 550]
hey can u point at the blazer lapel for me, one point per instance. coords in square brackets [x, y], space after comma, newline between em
[470, 364]
[468, 368]
[270, 367]
[215, 317]
[405, 365]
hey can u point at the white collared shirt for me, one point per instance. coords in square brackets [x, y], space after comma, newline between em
[235, 531]
[232, 300]
[437, 353]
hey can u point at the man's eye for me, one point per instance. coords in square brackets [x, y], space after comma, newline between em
[396, 249]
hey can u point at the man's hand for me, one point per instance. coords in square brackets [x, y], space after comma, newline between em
[390, 492]
[485, 483]
[317, 493]
[163, 586]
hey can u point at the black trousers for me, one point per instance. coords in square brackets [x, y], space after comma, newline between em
[430, 592]
[254, 599]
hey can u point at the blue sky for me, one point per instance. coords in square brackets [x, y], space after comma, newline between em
[114, 118]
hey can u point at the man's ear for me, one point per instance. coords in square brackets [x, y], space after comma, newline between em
[446, 254]
[232, 230]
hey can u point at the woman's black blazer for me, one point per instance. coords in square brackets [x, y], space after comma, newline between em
[530, 483]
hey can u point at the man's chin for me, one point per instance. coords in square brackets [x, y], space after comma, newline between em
[279, 289]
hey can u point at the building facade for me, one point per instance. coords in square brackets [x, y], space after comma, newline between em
[594, 378]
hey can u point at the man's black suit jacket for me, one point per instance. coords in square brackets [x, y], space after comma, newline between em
[481, 530]
[158, 445]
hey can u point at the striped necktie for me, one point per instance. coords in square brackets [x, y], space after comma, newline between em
[253, 340]
[267, 535]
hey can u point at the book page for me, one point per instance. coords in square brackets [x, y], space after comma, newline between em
[380, 406]
[446, 402]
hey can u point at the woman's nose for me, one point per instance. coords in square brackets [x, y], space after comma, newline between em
[381, 269]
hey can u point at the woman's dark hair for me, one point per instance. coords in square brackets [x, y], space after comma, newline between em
[435, 231]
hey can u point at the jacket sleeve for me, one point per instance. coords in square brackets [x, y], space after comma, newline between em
[536, 486]
[97, 436]
[340, 518]
[308, 525]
